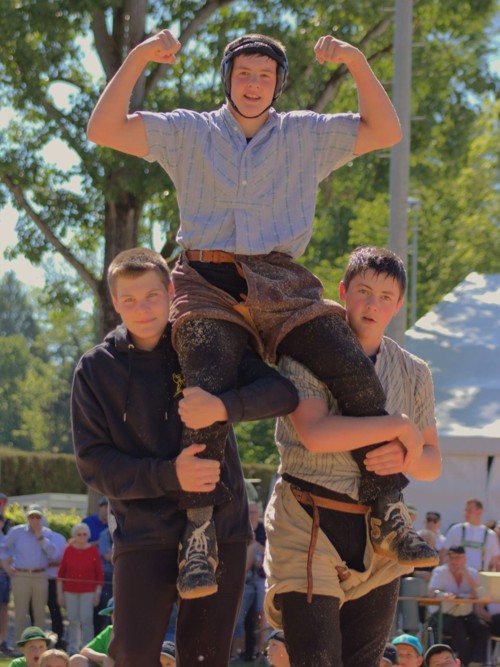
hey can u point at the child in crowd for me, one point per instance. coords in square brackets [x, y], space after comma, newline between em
[276, 650]
[33, 642]
[54, 657]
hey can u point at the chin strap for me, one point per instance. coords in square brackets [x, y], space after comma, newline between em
[242, 114]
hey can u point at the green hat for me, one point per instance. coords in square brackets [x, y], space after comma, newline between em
[107, 611]
[32, 632]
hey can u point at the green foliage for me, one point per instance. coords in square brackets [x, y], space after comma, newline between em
[57, 521]
[16, 311]
[23, 473]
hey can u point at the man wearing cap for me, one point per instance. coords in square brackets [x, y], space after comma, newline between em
[441, 655]
[25, 556]
[32, 643]
[99, 521]
[409, 649]
[469, 633]
[390, 656]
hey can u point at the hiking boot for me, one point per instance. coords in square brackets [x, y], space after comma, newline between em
[197, 561]
[392, 534]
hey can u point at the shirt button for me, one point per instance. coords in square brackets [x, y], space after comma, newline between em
[243, 182]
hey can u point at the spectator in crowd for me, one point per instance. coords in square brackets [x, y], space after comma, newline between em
[99, 521]
[59, 541]
[495, 562]
[409, 649]
[25, 556]
[480, 542]
[167, 655]
[433, 523]
[276, 650]
[79, 585]
[390, 656]
[491, 612]
[441, 655]
[54, 657]
[413, 512]
[96, 650]
[253, 593]
[5, 589]
[425, 572]
[469, 633]
[4, 500]
[105, 546]
[32, 643]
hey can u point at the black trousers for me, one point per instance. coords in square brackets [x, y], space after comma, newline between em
[469, 636]
[321, 633]
[145, 593]
[210, 351]
[55, 611]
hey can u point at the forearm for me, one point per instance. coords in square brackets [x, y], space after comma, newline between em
[379, 125]
[336, 433]
[264, 398]
[428, 467]
[93, 656]
[110, 116]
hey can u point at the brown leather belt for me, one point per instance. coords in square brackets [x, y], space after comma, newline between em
[30, 571]
[307, 498]
[211, 256]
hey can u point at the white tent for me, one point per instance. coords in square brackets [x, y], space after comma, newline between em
[460, 340]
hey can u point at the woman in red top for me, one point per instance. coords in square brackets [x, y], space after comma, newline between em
[79, 585]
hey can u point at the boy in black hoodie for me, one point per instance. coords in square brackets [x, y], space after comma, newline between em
[127, 399]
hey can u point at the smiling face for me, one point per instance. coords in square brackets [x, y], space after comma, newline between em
[143, 304]
[253, 82]
[371, 300]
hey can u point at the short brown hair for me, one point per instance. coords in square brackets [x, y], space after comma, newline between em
[135, 262]
[53, 652]
[378, 260]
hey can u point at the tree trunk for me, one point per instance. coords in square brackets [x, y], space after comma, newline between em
[121, 229]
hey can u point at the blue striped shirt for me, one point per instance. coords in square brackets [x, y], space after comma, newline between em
[27, 551]
[248, 197]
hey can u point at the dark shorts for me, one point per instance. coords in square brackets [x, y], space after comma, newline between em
[282, 295]
[4, 588]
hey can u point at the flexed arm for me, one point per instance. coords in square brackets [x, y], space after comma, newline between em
[110, 124]
[379, 126]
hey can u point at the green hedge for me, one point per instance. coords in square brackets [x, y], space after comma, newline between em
[23, 473]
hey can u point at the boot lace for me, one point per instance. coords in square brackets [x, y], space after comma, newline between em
[197, 548]
[401, 522]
